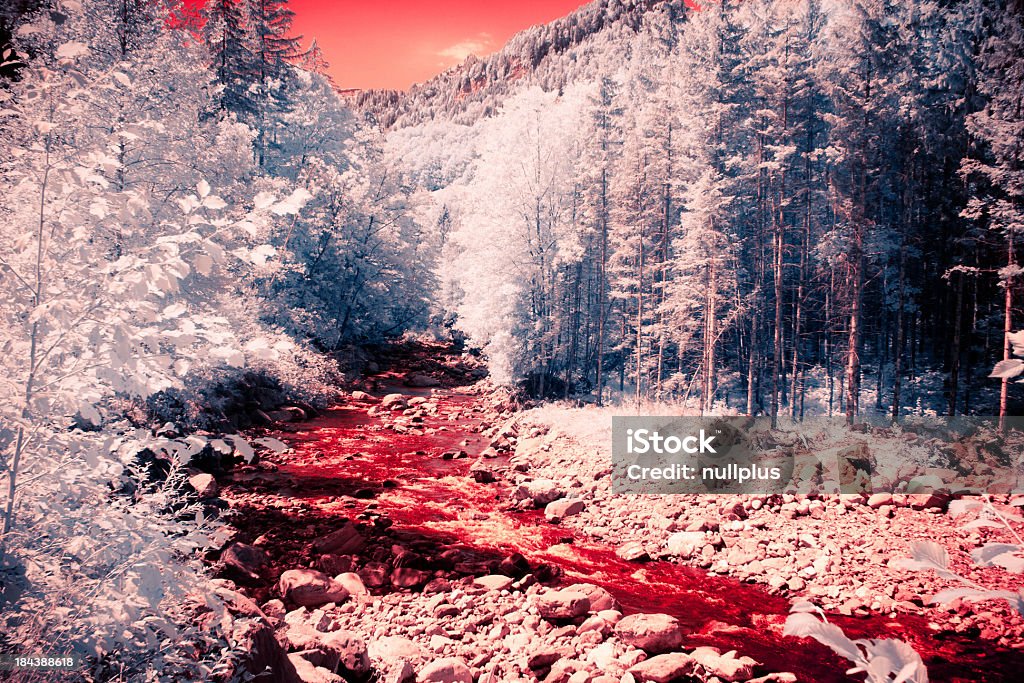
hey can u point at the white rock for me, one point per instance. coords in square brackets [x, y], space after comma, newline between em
[652, 633]
[447, 670]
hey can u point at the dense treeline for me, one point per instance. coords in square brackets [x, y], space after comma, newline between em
[771, 207]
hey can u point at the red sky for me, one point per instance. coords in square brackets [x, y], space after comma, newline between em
[395, 43]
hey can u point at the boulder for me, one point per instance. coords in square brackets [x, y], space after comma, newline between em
[481, 473]
[398, 672]
[543, 659]
[310, 588]
[600, 599]
[406, 577]
[352, 653]
[394, 402]
[375, 574]
[396, 648]
[563, 604]
[310, 673]
[664, 668]
[539, 491]
[562, 508]
[685, 543]
[244, 562]
[343, 541]
[494, 582]
[877, 500]
[204, 484]
[652, 633]
[264, 655]
[361, 396]
[632, 552]
[352, 583]
[447, 670]
[332, 565]
[727, 667]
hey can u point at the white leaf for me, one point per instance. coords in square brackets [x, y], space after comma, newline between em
[293, 203]
[979, 523]
[263, 200]
[214, 203]
[203, 188]
[961, 506]
[988, 552]
[1009, 562]
[1008, 369]
[203, 264]
[927, 555]
[72, 49]
[263, 253]
[803, 625]
[122, 79]
[89, 412]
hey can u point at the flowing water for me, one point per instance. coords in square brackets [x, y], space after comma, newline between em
[346, 466]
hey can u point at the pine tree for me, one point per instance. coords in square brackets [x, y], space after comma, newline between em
[274, 48]
[235, 68]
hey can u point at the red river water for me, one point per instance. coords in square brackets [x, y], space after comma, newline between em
[346, 466]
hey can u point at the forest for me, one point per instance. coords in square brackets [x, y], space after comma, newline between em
[778, 208]
[769, 207]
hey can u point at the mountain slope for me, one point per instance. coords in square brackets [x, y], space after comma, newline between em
[548, 55]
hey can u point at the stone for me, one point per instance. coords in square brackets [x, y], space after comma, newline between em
[446, 670]
[204, 484]
[361, 396]
[395, 648]
[877, 500]
[406, 577]
[542, 659]
[352, 583]
[539, 491]
[727, 667]
[399, 672]
[563, 604]
[375, 574]
[332, 565]
[562, 508]
[632, 552]
[353, 656]
[494, 582]
[263, 653]
[563, 669]
[394, 402]
[481, 473]
[244, 562]
[343, 541]
[310, 588]
[685, 543]
[309, 673]
[600, 599]
[652, 633]
[238, 603]
[664, 668]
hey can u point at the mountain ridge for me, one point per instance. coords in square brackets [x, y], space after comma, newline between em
[476, 87]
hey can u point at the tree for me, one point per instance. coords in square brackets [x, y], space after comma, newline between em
[998, 198]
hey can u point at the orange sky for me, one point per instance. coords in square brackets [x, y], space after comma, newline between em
[395, 43]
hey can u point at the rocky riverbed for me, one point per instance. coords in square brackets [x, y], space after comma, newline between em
[425, 531]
